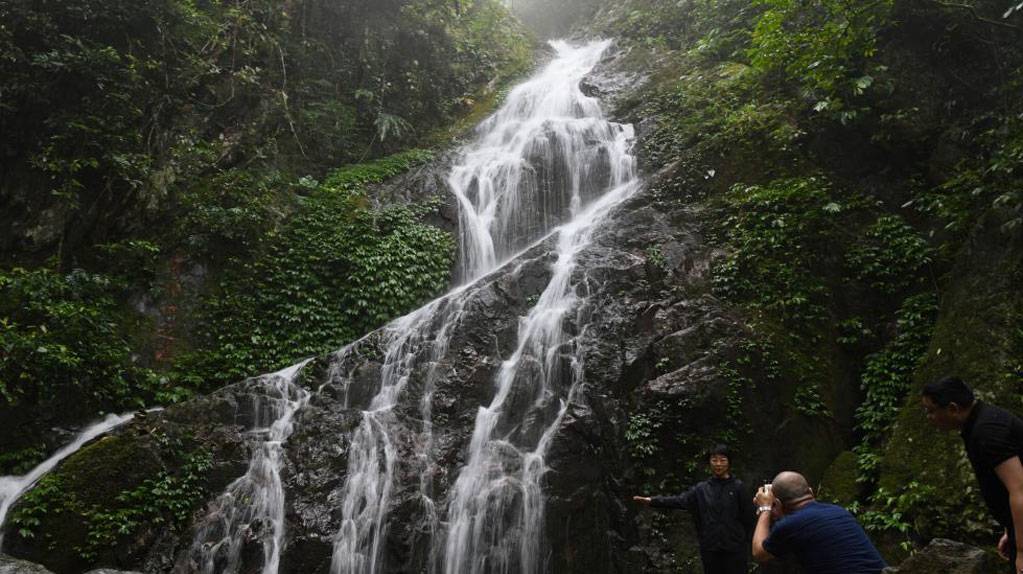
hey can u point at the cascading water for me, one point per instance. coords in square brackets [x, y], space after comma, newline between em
[373, 455]
[534, 163]
[12, 487]
[546, 157]
[252, 507]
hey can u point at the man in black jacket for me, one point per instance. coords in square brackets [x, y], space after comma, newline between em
[723, 512]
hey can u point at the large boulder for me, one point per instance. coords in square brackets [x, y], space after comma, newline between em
[10, 565]
[950, 557]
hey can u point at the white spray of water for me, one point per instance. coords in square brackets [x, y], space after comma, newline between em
[252, 507]
[13, 487]
[373, 456]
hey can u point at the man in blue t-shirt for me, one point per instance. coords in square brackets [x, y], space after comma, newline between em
[825, 538]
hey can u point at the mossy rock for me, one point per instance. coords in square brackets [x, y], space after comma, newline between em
[839, 483]
[977, 337]
[87, 482]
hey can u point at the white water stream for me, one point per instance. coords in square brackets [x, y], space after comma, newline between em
[534, 163]
[252, 507]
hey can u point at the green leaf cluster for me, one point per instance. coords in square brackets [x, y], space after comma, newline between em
[335, 269]
[66, 344]
[887, 378]
[784, 237]
[826, 46]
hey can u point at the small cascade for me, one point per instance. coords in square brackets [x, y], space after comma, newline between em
[252, 507]
[13, 487]
[373, 456]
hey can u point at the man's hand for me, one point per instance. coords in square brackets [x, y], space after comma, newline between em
[764, 497]
[1010, 473]
[1003, 545]
[644, 500]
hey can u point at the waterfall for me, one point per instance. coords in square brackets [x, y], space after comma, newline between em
[541, 176]
[13, 487]
[548, 167]
[534, 163]
[252, 507]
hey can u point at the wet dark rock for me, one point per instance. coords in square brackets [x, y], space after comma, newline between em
[10, 565]
[423, 184]
[950, 557]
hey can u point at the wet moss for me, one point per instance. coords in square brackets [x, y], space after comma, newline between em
[105, 504]
[977, 338]
[839, 483]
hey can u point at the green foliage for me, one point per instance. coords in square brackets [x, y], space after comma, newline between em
[64, 343]
[890, 257]
[656, 258]
[642, 435]
[336, 269]
[232, 213]
[663, 451]
[990, 180]
[808, 402]
[889, 512]
[717, 27]
[169, 498]
[19, 462]
[887, 376]
[826, 46]
[352, 177]
[781, 236]
[736, 423]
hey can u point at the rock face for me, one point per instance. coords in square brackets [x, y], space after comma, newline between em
[950, 557]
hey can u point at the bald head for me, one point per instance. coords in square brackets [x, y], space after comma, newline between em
[789, 486]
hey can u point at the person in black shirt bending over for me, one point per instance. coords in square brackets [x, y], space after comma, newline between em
[723, 512]
[994, 444]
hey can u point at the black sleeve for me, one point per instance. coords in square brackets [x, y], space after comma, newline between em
[747, 513]
[995, 444]
[683, 501]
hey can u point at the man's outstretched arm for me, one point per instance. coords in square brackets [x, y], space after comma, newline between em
[683, 501]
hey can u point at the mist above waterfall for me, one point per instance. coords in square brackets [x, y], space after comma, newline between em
[553, 18]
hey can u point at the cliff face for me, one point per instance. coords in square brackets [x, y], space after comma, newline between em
[861, 255]
[784, 281]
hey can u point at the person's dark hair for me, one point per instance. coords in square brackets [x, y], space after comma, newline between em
[721, 450]
[949, 390]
